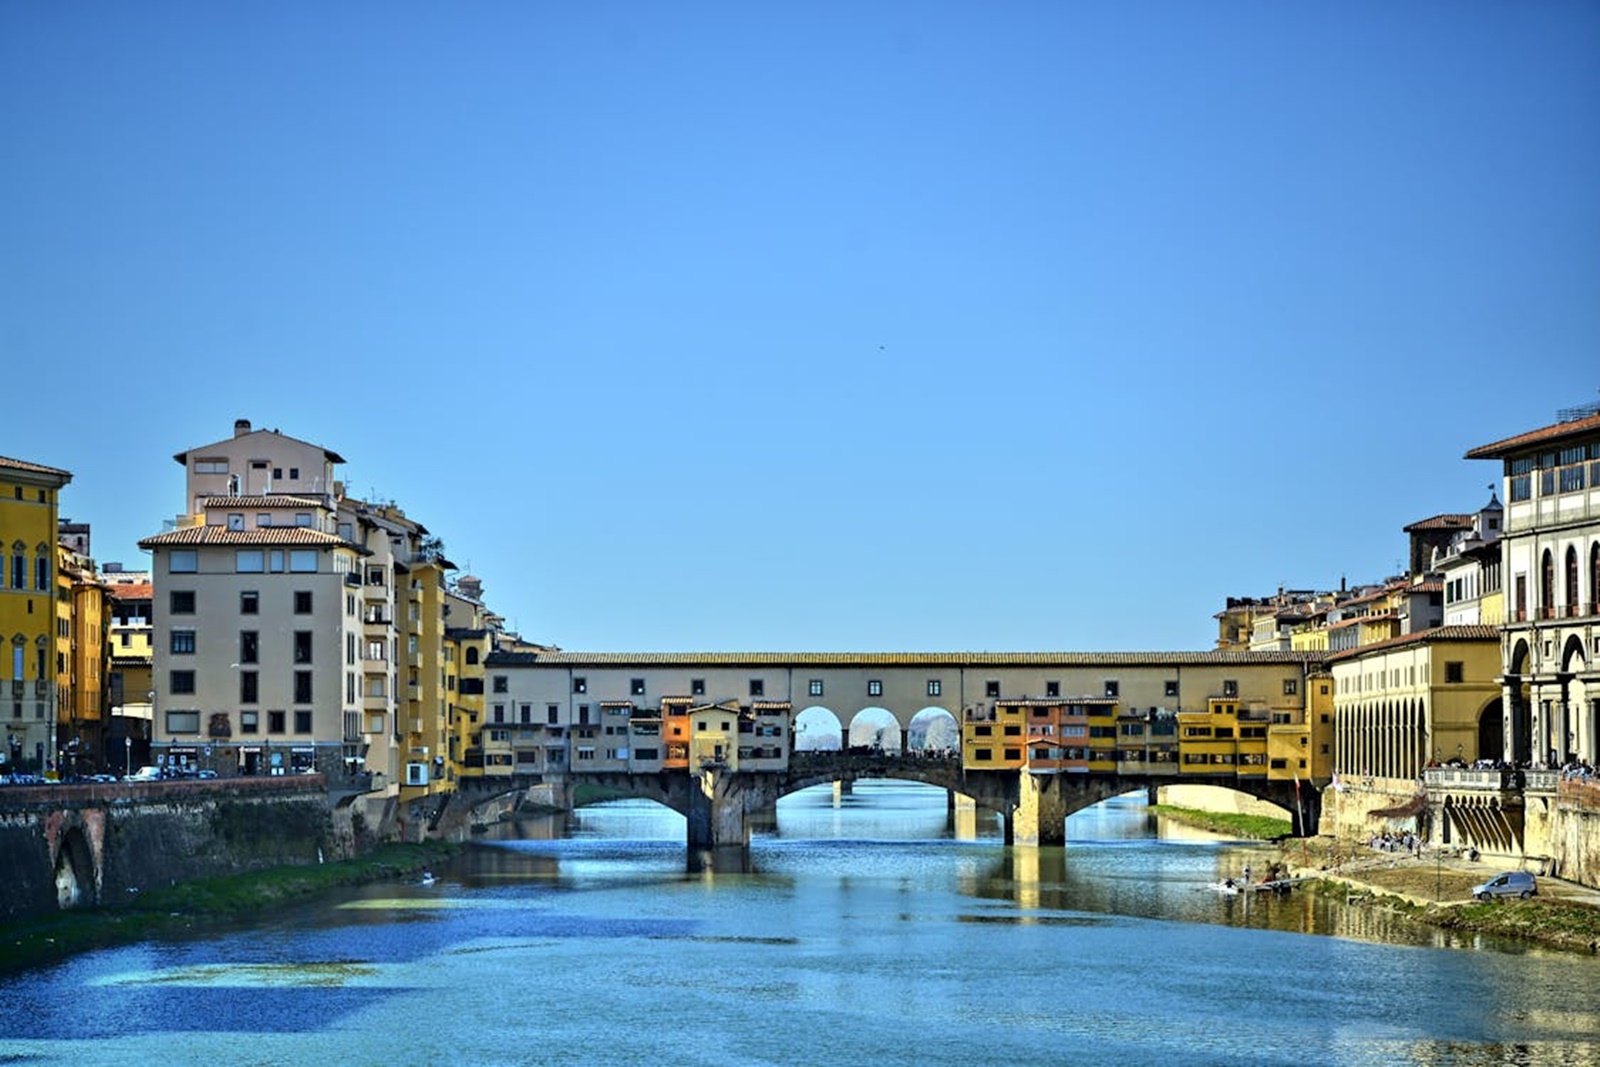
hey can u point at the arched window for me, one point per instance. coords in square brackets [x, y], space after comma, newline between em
[1547, 586]
[472, 654]
[1572, 580]
[1594, 579]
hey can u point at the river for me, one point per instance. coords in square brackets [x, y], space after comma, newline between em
[864, 933]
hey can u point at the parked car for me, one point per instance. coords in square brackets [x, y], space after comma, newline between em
[1509, 884]
[145, 774]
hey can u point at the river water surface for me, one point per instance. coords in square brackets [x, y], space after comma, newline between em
[863, 932]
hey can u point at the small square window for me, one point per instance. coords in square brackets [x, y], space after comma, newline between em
[815, 687]
[935, 687]
[1112, 690]
[501, 684]
[181, 682]
[874, 688]
[636, 687]
[1454, 671]
[757, 687]
[580, 685]
[302, 722]
[1230, 687]
[249, 603]
[991, 688]
[182, 642]
[275, 722]
[1052, 689]
[302, 602]
[181, 601]
[1291, 687]
[697, 687]
[1171, 688]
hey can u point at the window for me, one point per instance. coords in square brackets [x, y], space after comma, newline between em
[183, 561]
[249, 689]
[1291, 686]
[249, 646]
[249, 603]
[1171, 689]
[303, 560]
[302, 722]
[302, 687]
[579, 685]
[294, 472]
[41, 572]
[249, 561]
[181, 601]
[935, 687]
[182, 642]
[1052, 689]
[183, 722]
[249, 722]
[500, 714]
[815, 687]
[500, 683]
[1454, 671]
[275, 722]
[552, 713]
[758, 687]
[472, 655]
[302, 602]
[874, 688]
[302, 646]
[983, 753]
[1112, 690]
[636, 687]
[181, 681]
[1230, 687]
[697, 687]
[991, 688]
[211, 466]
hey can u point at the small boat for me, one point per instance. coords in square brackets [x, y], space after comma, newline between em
[1228, 887]
[428, 878]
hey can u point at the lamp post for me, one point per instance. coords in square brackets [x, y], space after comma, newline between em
[127, 759]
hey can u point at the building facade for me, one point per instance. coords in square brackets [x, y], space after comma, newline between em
[1550, 560]
[28, 621]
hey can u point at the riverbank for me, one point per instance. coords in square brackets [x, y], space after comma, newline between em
[1250, 827]
[192, 904]
[1436, 889]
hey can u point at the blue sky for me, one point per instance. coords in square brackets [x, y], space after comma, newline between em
[921, 326]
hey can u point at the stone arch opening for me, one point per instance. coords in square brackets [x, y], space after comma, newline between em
[818, 729]
[933, 730]
[74, 874]
[876, 728]
[1492, 731]
[1520, 714]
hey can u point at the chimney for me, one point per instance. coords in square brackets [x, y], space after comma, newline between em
[241, 427]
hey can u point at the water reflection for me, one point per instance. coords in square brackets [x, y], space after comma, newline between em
[849, 932]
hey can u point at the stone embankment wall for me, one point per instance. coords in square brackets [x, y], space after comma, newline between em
[1574, 833]
[1348, 812]
[80, 845]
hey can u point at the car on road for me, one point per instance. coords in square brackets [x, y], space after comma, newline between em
[145, 774]
[1510, 884]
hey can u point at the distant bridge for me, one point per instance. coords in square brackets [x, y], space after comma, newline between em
[717, 803]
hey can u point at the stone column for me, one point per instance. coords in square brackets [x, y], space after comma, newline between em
[716, 812]
[1040, 816]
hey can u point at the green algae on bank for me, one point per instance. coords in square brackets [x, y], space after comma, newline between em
[1254, 827]
[49, 939]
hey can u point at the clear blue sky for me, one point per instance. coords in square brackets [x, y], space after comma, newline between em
[921, 326]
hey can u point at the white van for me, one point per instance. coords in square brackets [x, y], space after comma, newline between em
[145, 774]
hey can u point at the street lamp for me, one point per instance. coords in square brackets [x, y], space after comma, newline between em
[127, 762]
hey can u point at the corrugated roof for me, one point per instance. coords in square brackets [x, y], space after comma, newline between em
[900, 659]
[272, 535]
[1544, 435]
[1476, 632]
[25, 467]
[1440, 522]
[261, 500]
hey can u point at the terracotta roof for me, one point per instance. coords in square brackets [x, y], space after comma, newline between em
[1543, 435]
[273, 535]
[261, 500]
[130, 590]
[1440, 522]
[1438, 633]
[183, 457]
[1426, 587]
[6, 463]
[901, 659]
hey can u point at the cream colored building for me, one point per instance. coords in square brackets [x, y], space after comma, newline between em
[1550, 560]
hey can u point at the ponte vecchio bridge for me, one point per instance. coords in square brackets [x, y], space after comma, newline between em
[719, 737]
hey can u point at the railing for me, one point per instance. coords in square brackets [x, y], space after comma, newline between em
[1469, 778]
[1541, 781]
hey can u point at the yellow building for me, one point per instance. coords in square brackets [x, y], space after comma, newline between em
[1414, 699]
[996, 739]
[28, 521]
[129, 682]
[82, 728]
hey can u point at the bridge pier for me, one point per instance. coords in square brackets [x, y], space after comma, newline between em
[842, 788]
[1040, 817]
